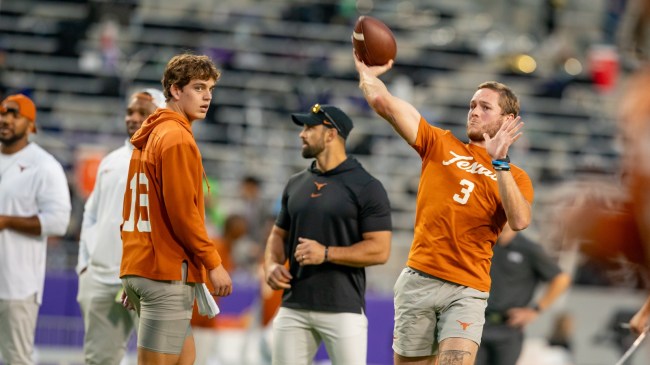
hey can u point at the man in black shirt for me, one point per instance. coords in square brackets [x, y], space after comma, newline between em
[335, 220]
[518, 265]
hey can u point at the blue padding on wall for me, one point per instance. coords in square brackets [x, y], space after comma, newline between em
[60, 294]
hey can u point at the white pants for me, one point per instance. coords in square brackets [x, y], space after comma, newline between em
[108, 326]
[17, 330]
[298, 333]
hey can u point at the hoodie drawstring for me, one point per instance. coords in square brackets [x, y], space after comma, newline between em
[207, 183]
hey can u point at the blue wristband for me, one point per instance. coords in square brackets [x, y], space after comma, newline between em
[500, 165]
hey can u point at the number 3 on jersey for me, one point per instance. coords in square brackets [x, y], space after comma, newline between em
[468, 186]
[143, 223]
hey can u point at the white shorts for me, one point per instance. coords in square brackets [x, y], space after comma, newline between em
[298, 333]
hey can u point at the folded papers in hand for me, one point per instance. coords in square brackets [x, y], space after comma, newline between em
[206, 303]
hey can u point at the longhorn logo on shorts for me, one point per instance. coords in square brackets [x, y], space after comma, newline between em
[318, 187]
[465, 324]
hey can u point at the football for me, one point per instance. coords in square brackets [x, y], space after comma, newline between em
[373, 41]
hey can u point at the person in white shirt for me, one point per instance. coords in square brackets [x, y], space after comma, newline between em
[34, 204]
[107, 324]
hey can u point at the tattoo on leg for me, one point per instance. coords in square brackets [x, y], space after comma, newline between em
[453, 357]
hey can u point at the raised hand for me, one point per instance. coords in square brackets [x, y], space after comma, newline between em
[497, 146]
[375, 71]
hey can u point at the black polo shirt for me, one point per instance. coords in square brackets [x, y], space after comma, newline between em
[334, 208]
[516, 270]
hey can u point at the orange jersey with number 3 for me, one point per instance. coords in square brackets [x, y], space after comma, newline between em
[459, 213]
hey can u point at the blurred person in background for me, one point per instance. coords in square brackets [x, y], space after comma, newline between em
[235, 227]
[108, 325]
[166, 247]
[612, 219]
[518, 265]
[562, 332]
[467, 193]
[34, 205]
[615, 222]
[270, 302]
[639, 322]
[634, 121]
[254, 207]
[335, 220]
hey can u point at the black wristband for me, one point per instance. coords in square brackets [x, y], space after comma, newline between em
[326, 250]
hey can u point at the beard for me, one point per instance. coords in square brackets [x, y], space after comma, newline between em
[11, 139]
[131, 129]
[311, 151]
[476, 134]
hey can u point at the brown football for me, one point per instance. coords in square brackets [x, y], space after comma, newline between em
[373, 41]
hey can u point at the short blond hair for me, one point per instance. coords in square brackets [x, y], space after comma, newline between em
[508, 101]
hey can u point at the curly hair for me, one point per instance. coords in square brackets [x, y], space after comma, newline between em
[183, 68]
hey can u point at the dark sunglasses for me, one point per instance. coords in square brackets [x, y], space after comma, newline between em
[13, 111]
[329, 120]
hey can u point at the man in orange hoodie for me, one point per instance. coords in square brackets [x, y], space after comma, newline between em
[166, 247]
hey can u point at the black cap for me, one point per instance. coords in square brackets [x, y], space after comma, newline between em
[328, 115]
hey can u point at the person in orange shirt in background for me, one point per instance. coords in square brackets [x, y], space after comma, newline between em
[166, 248]
[613, 219]
[270, 302]
[235, 227]
[468, 191]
